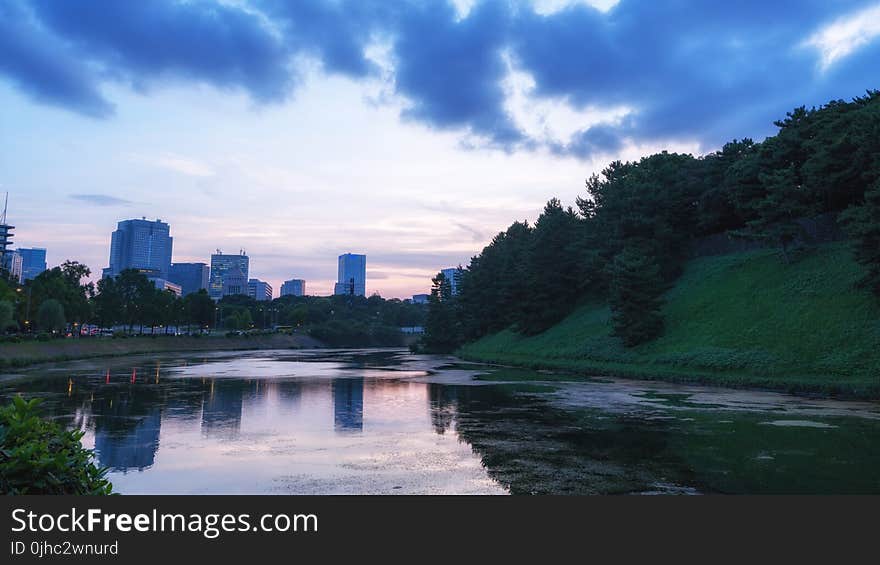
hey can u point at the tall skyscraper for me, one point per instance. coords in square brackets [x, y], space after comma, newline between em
[453, 275]
[293, 287]
[190, 276]
[229, 274]
[33, 262]
[352, 275]
[141, 244]
[259, 290]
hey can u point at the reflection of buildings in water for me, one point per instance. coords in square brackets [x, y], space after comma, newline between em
[256, 390]
[442, 401]
[184, 403]
[289, 392]
[130, 447]
[221, 411]
[348, 404]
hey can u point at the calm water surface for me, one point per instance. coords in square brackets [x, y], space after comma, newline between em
[380, 422]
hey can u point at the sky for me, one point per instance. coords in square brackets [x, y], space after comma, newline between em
[411, 131]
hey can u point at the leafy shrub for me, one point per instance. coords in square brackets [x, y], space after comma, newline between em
[38, 456]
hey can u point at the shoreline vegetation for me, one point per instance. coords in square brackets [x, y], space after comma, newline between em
[15, 355]
[743, 320]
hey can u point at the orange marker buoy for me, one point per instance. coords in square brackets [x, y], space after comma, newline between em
[107, 378]
[134, 375]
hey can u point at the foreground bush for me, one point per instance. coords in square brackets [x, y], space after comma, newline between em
[38, 456]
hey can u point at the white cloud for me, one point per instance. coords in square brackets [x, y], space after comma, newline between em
[547, 7]
[845, 36]
[543, 7]
[463, 7]
[551, 120]
[184, 165]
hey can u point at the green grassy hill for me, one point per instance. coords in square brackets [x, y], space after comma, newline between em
[743, 320]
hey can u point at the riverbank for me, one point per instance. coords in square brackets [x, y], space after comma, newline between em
[29, 353]
[740, 320]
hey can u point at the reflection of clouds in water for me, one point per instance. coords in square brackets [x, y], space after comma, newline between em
[227, 423]
[389, 422]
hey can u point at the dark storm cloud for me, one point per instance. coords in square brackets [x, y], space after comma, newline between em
[697, 70]
[206, 41]
[39, 65]
[452, 70]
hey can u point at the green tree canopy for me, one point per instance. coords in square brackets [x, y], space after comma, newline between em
[7, 316]
[50, 316]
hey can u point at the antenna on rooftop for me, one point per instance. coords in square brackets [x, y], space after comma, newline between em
[5, 205]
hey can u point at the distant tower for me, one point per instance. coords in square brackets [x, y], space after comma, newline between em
[5, 232]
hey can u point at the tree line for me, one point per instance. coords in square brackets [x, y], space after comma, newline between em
[61, 299]
[628, 237]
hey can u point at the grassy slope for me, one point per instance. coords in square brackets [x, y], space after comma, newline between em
[744, 320]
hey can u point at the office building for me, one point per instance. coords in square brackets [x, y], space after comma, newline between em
[293, 287]
[11, 263]
[235, 282]
[259, 290]
[163, 284]
[33, 262]
[453, 275]
[420, 298]
[191, 277]
[229, 274]
[140, 244]
[351, 275]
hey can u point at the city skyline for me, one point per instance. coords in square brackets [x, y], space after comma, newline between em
[163, 269]
[301, 148]
[172, 260]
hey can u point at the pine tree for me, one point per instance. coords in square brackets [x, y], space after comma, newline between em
[636, 293]
[442, 333]
[863, 224]
[776, 214]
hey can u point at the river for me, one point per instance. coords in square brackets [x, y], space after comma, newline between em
[388, 422]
